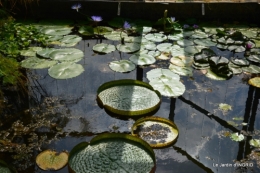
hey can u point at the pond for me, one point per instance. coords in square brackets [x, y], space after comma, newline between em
[67, 112]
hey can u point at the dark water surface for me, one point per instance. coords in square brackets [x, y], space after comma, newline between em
[201, 146]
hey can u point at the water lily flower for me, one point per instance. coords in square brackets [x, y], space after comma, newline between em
[126, 25]
[195, 26]
[96, 18]
[249, 46]
[186, 26]
[172, 19]
[76, 7]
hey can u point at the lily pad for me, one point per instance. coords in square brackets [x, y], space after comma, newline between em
[175, 37]
[193, 49]
[156, 37]
[183, 71]
[237, 137]
[66, 54]
[65, 70]
[69, 40]
[56, 30]
[128, 47]
[218, 61]
[240, 62]
[128, 97]
[31, 51]
[167, 86]
[184, 61]
[255, 142]
[204, 42]
[154, 53]
[225, 107]
[122, 66]
[45, 53]
[185, 43]
[164, 56]
[86, 30]
[112, 152]
[103, 30]
[149, 45]
[254, 82]
[199, 34]
[142, 59]
[252, 69]
[210, 74]
[177, 51]
[37, 63]
[159, 72]
[254, 58]
[235, 69]
[52, 160]
[104, 48]
[115, 35]
[158, 132]
[133, 39]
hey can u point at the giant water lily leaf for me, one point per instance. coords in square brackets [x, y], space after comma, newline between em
[193, 49]
[122, 66]
[159, 72]
[37, 63]
[65, 70]
[86, 30]
[254, 82]
[112, 153]
[183, 71]
[67, 54]
[102, 30]
[185, 42]
[167, 86]
[45, 53]
[142, 59]
[56, 30]
[164, 47]
[254, 58]
[115, 35]
[204, 42]
[52, 160]
[128, 47]
[176, 37]
[158, 132]
[210, 74]
[70, 40]
[128, 97]
[156, 37]
[104, 48]
[252, 69]
[255, 142]
[31, 51]
[237, 137]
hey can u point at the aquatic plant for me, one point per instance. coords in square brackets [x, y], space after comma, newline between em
[76, 7]
[125, 27]
[96, 18]
[168, 24]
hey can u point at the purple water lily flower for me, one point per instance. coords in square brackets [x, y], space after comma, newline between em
[186, 26]
[249, 46]
[76, 7]
[173, 19]
[126, 25]
[96, 18]
[195, 26]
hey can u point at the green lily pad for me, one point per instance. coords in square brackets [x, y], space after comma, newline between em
[142, 59]
[86, 30]
[69, 40]
[240, 62]
[200, 66]
[181, 61]
[225, 107]
[249, 33]
[235, 69]
[236, 48]
[115, 35]
[67, 54]
[175, 37]
[103, 30]
[256, 50]
[131, 39]
[128, 47]
[104, 48]
[218, 61]
[204, 42]
[185, 43]
[252, 69]
[159, 72]
[37, 63]
[156, 131]
[56, 30]
[221, 46]
[199, 34]
[128, 97]
[167, 86]
[237, 137]
[52, 160]
[193, 49]
[254, 58]
[31, 51]
[154, 53]
[183, 71]
[122, 66]
[255, 142]
[65, 70]
[254, 82]
[156, 37]
[210, 74]
[45, 53]
[111, 152]
[149, 45]
[177, 51]
[164, 47]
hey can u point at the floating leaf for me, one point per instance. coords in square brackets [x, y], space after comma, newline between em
[86, 30]
[158, 132]
[183, 71]
[104, 30]
[115, 35]
[51, 160]
[56, 30]
[204, 42]
[255, 142]
[45, 53]
[122, 66]
[159, 72]
[69, 40]
[193, 49]
[142, 59]
[67, 54]
[199, 34]
[177, 51]
[236, 137]
[181, 61]
[254, 82]
[128, 47]
[185, 42]
[238, 118]
[104, 48]
[240, 62]
[210, 74]
[252, 69]
[31, 51]
[112, 153]
[218, 61]
[156, 37]
[37, 63]
[175, 37]
[167, 86]
[128, 97]
[254, 58]
[154, 53]
[235, 68]
[149, 45]
[65, 70]
[224, 107]
[164, 56]
[133, 39]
